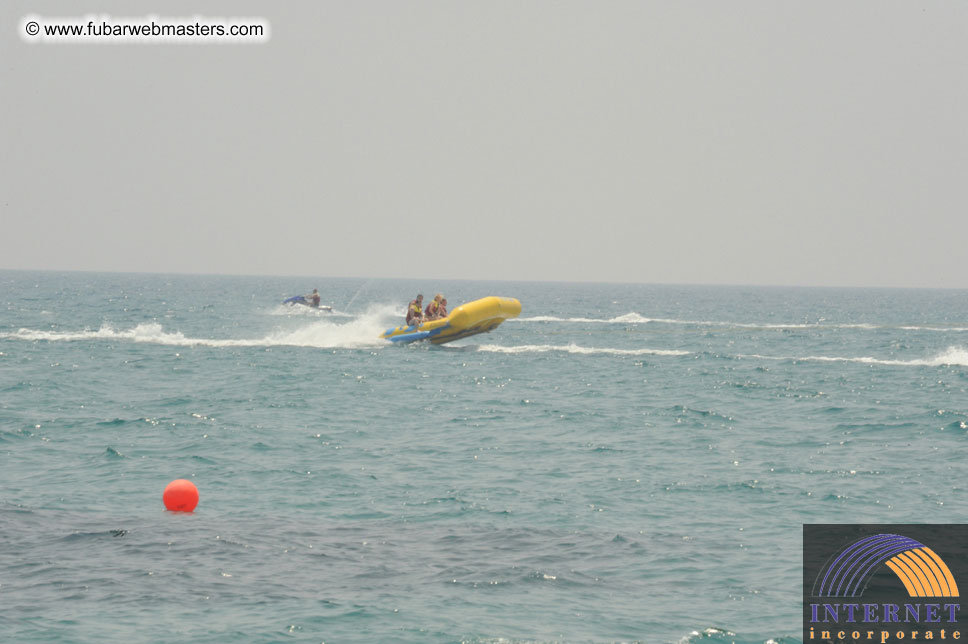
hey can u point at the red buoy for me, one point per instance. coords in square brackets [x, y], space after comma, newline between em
[180, 495]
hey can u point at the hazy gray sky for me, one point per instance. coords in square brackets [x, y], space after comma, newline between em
[761, 142]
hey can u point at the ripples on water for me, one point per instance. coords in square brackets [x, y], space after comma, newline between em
[623, 463]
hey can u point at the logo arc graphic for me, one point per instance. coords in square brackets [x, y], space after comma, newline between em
[920, 569]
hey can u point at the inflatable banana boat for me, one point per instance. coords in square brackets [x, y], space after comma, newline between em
[479, 316]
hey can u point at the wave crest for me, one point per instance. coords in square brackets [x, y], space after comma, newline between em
[574, 348]
[952, 356]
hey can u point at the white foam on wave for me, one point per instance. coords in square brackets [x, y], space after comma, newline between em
[574, 348]
[285, 310]
[628, 318]
[142, 332]
[362, 331]
[632, 318]
[952, 356]
[636, 318]
[551, 318]
[767, 326]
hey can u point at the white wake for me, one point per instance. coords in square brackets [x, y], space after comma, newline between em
[324, 332]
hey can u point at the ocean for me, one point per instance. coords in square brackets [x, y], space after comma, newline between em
[622, 463]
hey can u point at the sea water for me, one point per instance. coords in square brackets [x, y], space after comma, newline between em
[622, 463]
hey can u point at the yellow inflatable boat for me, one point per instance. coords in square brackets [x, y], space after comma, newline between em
[479, 316]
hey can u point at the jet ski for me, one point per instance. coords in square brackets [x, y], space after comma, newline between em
[301, 299]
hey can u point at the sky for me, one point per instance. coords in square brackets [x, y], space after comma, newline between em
[820, 143]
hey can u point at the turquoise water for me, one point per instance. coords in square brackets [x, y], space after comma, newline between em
[624, 463]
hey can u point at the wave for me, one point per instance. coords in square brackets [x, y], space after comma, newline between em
[574, 348]
[361, 332]
[952, 356]
[364, 331]
[628, 318]
[636, 318]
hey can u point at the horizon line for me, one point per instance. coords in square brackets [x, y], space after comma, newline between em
[471, 279]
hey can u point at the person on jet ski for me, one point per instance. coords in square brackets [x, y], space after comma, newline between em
[314, 299]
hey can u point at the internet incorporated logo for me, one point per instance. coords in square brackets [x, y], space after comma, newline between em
[871, 583]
